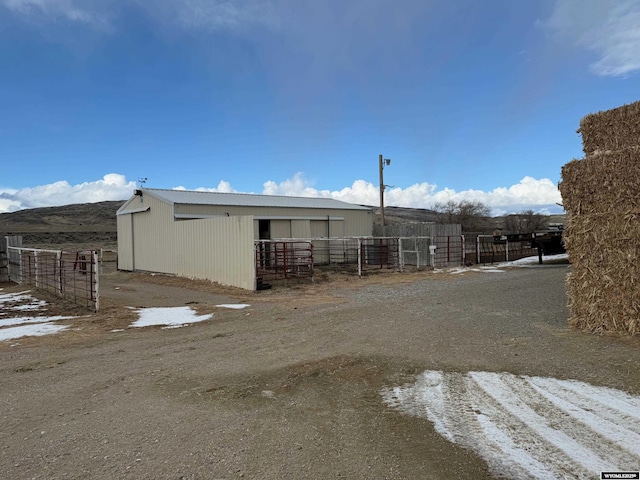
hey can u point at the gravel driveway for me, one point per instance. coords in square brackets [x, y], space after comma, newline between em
[288, 388]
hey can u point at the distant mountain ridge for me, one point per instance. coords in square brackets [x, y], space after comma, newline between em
[100, 216]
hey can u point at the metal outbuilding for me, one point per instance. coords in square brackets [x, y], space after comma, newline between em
[211, 235]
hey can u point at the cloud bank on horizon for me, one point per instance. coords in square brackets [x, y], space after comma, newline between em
[530, 193]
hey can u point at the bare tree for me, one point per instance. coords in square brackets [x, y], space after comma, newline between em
[526, 221]
[473, 216]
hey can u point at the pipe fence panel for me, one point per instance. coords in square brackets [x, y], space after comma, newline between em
[415, 251]
[282, 260]
[503, 248]
[71, 275]
[450, 251]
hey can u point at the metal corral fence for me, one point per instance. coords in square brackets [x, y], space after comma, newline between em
[449, 251]
[71, 275]
[503, 248]
[283, 260]
[295, 258]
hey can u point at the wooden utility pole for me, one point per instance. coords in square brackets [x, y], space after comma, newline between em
[382, 163]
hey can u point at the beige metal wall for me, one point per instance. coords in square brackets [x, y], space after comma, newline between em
[153, 237]
[336, 228]
[217, 249]
[125, 242]
[280, 228]
[146, 236]
[356, 222]
[300, 229]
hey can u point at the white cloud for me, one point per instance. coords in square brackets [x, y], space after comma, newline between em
[112, 186]
[540, 195]
[207, 15]
[50, 11]
[611, 29]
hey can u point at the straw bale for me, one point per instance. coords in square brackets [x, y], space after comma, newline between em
[604, 286]
[597, 309]
[602, 183]
[611, 129]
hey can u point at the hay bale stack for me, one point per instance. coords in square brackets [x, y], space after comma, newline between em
[611, 130]
[601, 195]
[602, 182]
[604, 287]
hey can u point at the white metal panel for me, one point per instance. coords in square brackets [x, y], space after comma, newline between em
[319, 228]
[300, 229]
[153, 237]
[280, 228]
[216, 249]
[336, 228]
[125, 242]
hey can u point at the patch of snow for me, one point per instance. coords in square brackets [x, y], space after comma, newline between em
[534, 260]
[522, 262]
[236, 306]
[7, 322]
[528, 427]
[457, 270]
[15, 297]
[33, 330]
[17, 327]
[39, 304]
[174, 316]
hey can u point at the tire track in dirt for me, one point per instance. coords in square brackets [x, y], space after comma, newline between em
[528, 427]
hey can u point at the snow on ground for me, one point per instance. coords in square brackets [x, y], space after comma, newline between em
[29, 326]
[32, 330]
[171, 317]
[235, 306]
[23, 326]
[498, 267]
[529, 427]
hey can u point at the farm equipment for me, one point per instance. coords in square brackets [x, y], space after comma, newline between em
[549, 242]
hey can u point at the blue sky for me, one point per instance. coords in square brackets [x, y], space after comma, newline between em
[470, 100]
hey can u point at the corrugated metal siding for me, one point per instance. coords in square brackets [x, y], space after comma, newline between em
[318, 228]
[216, 249]
[280, 228]
[300, 229]
[125, 242]
[336, 228]
[249, 200]
[265, 211]
[153, 237]
[358, 223]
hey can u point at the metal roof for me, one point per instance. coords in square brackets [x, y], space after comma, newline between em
[248, 200]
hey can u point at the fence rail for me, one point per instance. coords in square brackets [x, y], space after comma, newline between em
[70, 275]
[501, 248]
[283, 260]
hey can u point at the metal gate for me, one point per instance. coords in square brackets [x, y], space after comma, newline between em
[282, 260]
[70, 275]
[450, 251]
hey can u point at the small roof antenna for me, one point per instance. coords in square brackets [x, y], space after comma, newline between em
[141, 181]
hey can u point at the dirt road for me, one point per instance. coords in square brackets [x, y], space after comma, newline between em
[288, 388]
